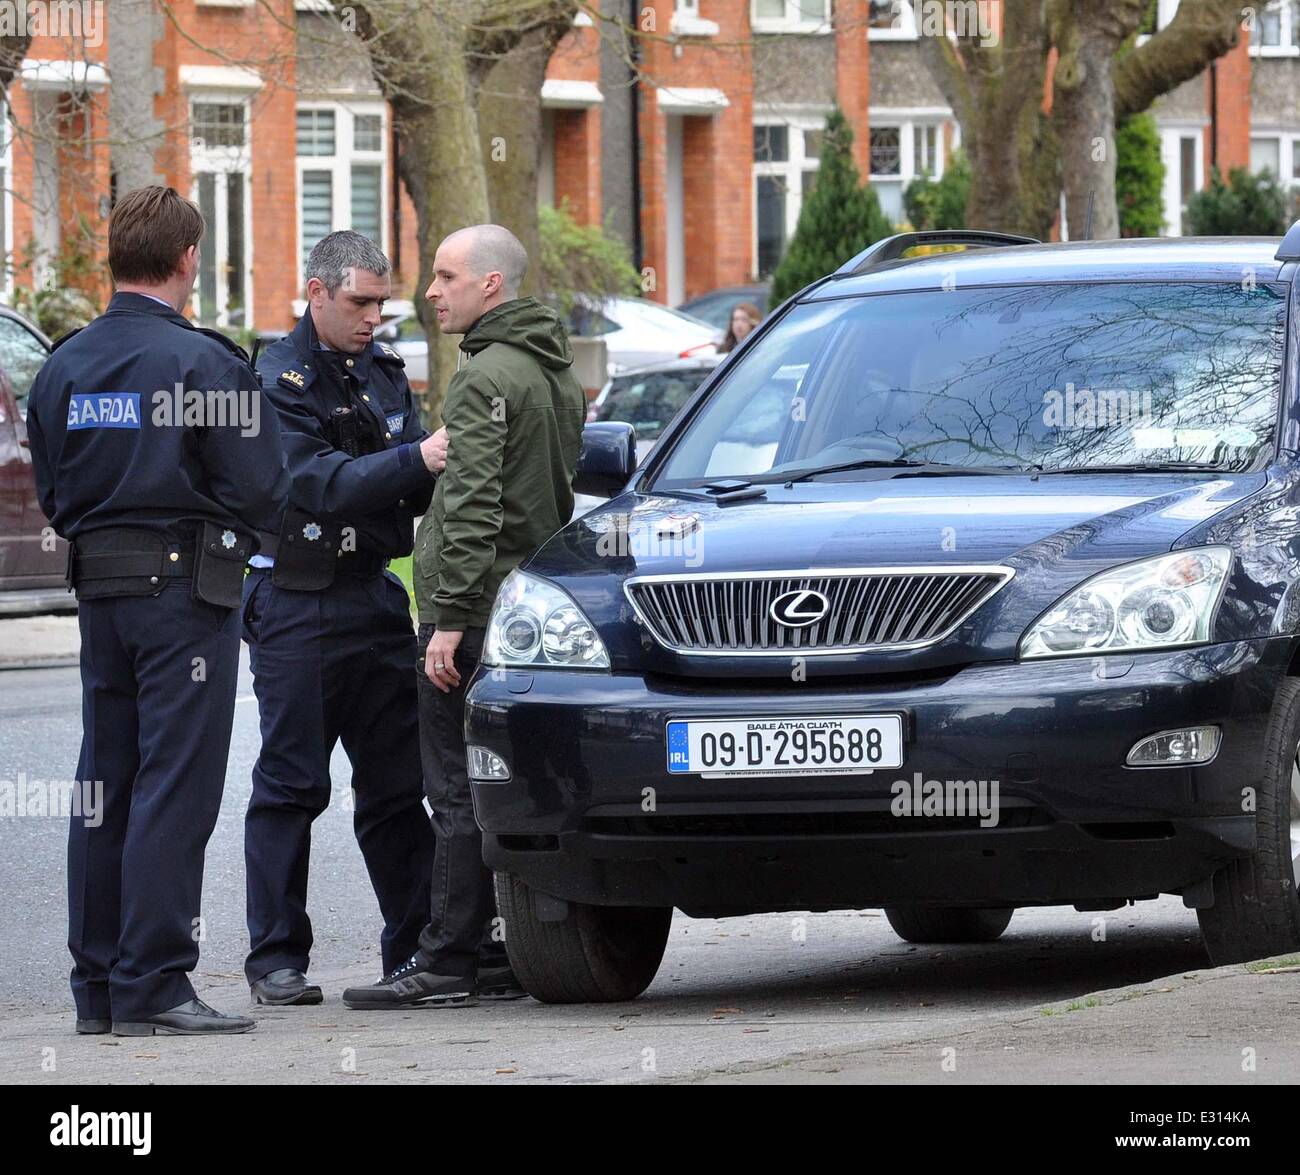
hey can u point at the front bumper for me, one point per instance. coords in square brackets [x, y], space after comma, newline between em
[591, 813]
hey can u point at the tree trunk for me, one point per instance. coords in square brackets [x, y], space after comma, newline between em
[1018, 177]
[1087, 36]
[439, 161]
[510, 123]
[429, 60]
[996, 95]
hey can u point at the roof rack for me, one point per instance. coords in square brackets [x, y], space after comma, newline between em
[893, 248]
[1289, 249]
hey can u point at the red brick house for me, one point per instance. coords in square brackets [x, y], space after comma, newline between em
[694, 146]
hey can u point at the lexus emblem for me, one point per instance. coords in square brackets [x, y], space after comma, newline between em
[799, 609]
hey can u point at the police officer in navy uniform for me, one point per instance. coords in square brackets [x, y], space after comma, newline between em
[157, 455]
[329, 627]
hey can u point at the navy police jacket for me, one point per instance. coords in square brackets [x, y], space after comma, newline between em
[142, 419]
[378, 494]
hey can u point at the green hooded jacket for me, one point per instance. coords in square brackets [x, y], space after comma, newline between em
[514, 413]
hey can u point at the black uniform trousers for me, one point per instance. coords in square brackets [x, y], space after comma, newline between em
[460, 938]
[333, 665]
[158, 680]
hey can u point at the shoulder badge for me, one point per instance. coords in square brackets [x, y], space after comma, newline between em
[384, 351]
[293, 377]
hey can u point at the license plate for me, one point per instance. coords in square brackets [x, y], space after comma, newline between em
[834, 745]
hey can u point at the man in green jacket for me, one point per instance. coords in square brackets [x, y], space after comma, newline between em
[514, 414]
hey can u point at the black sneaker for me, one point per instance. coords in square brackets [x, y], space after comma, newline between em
[499, 983]
[410, 985]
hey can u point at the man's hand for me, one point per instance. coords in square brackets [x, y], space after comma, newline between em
[439, 659]
[434, 451]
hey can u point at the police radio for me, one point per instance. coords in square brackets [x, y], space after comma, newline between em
[343, 429]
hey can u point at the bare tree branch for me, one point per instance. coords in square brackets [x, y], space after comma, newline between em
[1201, 31]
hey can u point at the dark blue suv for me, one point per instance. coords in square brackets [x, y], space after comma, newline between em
[968, 582]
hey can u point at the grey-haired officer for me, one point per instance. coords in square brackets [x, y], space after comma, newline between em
[157, 456]
[329, 627]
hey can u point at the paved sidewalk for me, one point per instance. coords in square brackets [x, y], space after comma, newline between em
[28, 642]
[1231, 1026]
[1235, 1025]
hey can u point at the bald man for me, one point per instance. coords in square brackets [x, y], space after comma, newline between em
[514, 413]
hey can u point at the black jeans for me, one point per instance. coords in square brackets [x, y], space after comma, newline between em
[459, 938]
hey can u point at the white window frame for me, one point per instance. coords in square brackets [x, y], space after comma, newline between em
[904, 24]
[1289, 32]
[340, 165]
[687, 21]
[222, 161]
[793, 21]
[1288, 152]
[791, 170]
[907, 122]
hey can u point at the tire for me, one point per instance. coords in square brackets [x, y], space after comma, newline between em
[597, 955]
[1256, 913]
[934, 924]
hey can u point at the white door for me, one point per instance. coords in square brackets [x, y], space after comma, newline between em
[675, 227]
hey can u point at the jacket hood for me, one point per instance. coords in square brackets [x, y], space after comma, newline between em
[524, 323]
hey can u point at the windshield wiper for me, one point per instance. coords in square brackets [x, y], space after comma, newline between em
[907, 468]
[1140, 467]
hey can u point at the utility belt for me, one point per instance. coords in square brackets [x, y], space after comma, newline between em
[308, 553]
[132, 561]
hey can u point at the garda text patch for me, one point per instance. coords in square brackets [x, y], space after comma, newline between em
[104, 410]
[395, 422]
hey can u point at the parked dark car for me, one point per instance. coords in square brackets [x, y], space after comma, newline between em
[716, 306]
[1020, 522]
[32, 561]
[647, 398]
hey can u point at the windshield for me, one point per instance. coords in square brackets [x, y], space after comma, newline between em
[649, 400]
[1051, 376]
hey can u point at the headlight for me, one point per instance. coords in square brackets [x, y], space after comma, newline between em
[1151, 604]
[534, 623]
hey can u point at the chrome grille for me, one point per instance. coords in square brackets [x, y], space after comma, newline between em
[871, 609]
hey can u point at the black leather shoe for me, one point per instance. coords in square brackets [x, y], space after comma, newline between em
[499, 983]
[192, 1018]
[93, 1027]
[285, 986]
[410, 985]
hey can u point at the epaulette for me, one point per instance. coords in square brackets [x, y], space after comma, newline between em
[292, 377]
[225, 340]
[387, 353]
[54, 346]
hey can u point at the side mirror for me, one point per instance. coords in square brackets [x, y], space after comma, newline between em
[607, 460]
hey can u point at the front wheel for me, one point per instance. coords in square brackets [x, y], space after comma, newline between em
[934, 924]
[596, 955]
[1256, 912]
